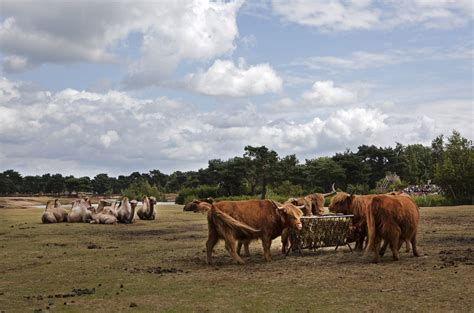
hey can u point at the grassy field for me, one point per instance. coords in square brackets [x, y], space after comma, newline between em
[160, 266]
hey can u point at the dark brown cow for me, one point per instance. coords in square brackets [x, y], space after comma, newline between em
[393, 220]
[249, 220]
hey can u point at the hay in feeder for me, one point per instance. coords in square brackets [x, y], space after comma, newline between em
[322, 231]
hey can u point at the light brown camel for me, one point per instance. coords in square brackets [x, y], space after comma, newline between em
[126, 211]
[104, 213]
[80, 211]
[54, 212]
[147, 211]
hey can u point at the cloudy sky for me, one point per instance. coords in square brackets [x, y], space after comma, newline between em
[120, 86]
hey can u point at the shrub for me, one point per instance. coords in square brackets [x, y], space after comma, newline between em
[287, 189]
[432, 200]
[186, 195]
[141, 188]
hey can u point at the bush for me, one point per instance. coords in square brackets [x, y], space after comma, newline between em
[359, 189]
[432, 200]
[141, 188]
[287, 189]
[186, 195]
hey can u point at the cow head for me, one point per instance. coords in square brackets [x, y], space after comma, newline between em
[197, 206]
[341, 203]
[291, 215]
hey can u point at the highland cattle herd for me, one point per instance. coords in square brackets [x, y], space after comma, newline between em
[378, 221]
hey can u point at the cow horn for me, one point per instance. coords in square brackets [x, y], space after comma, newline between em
[332, 192]
[301, 207]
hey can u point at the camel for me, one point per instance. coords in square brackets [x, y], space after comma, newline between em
[126, 211]
[80, 211]
[104, 213]
[147, 211]
[54, 212]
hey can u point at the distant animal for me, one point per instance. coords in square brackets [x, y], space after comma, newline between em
[198, 206]
[80, 211]
[235, 221]
[126, 211]
[393, 220]
[313, 203]
[147, 211]
[54, 212]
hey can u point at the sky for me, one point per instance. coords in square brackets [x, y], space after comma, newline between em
[117, 86]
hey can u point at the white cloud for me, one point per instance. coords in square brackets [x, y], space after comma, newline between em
[346, 15]
[53, 31]
[358, 60]
[85, 133]
[324, 93]
[224, 78]
[109, 137]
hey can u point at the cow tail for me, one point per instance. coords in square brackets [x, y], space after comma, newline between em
[371, 227]
[226, 224]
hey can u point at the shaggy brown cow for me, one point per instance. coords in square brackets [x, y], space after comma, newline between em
[249, 220]
[394, 220]
[203, 206]
[352, 204]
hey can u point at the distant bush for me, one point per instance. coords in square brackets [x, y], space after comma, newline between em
[287, 189]
[141, 188]
[432, 200]
[186, 195]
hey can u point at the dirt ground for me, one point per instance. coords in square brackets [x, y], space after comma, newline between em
[160, 266]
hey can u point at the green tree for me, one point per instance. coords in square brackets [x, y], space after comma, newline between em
[140, 188]
[322, 172]
[33, 184]
[454, 170]
[417, 163]
[357, 172]
[101, 184]
[56, 184]
[263, 161]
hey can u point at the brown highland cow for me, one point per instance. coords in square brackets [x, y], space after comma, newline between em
[393, 220]
[243, 221]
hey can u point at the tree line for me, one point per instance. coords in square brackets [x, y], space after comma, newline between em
[448, 162]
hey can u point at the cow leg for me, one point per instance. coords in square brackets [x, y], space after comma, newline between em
[239, 247]
[395, 247]
[266, 243]
[413, 246]
[246, 248]
[377, 251]
[231, 245]
[284, 240]
[211, 242]
[384, 248]
[407, 246]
